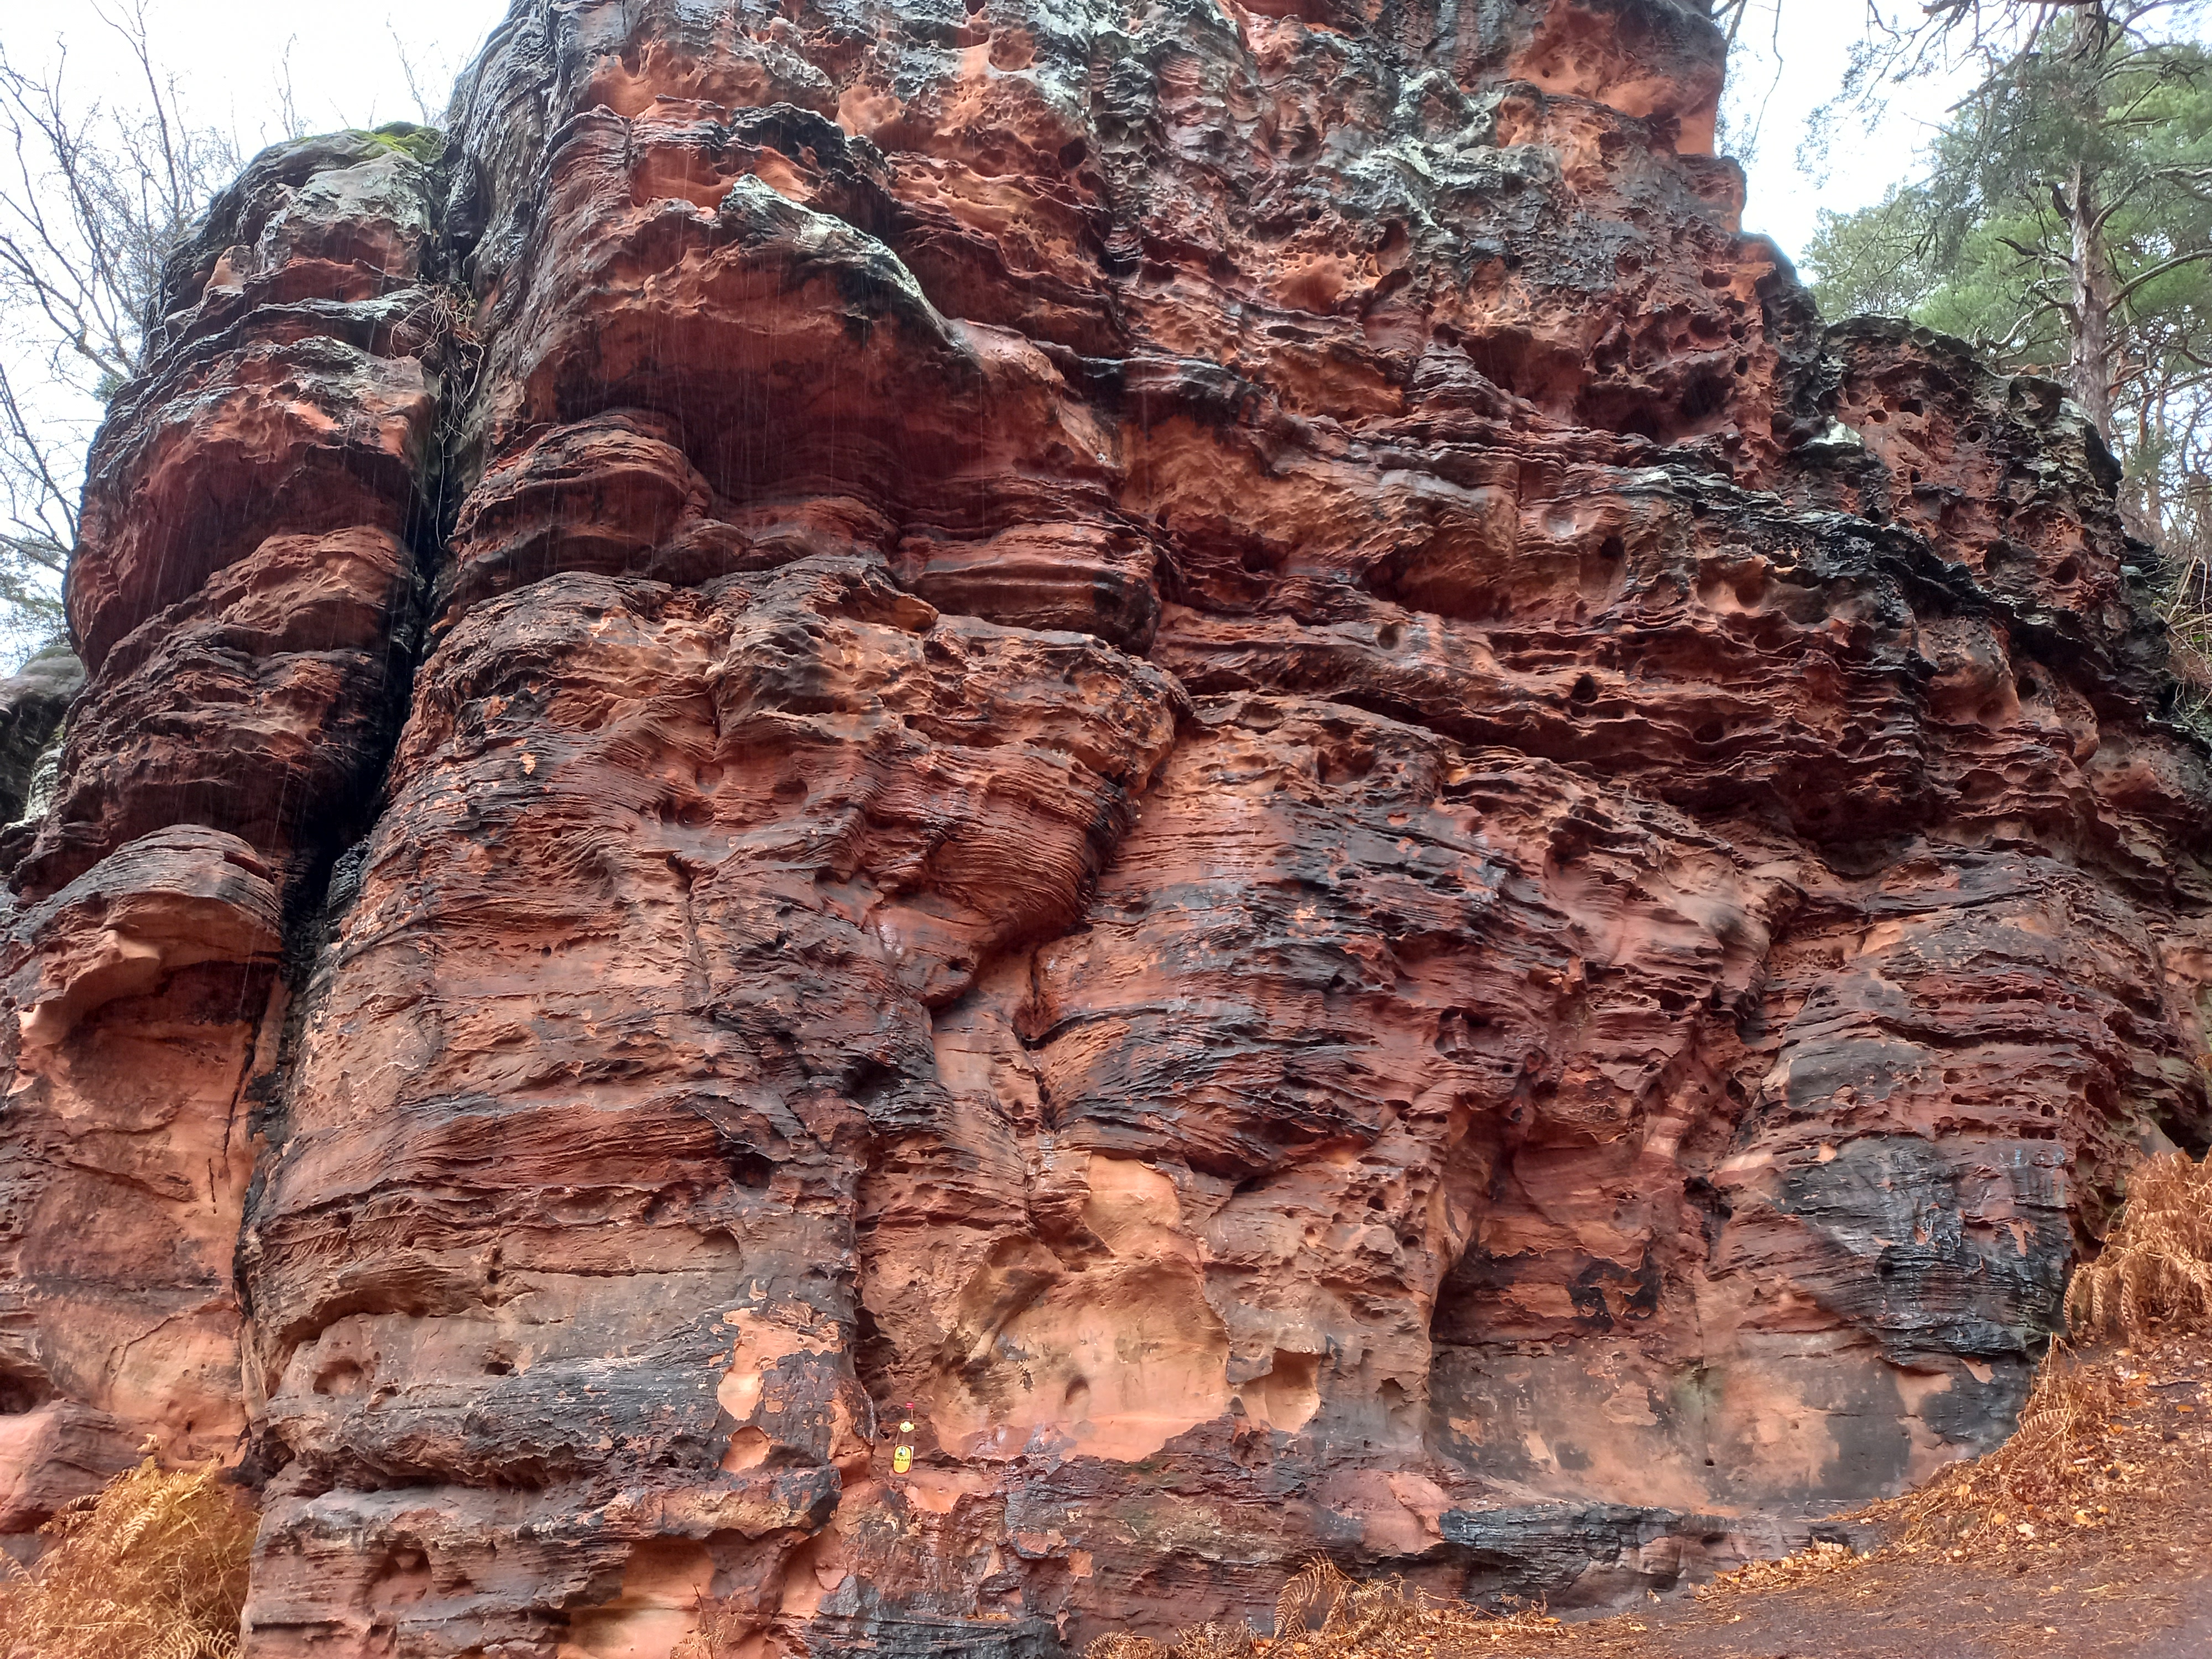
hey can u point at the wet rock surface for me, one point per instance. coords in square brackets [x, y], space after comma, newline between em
[1208, 740]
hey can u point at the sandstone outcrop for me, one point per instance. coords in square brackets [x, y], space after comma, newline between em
[32, 705]
[245, 600]
[1209, 740]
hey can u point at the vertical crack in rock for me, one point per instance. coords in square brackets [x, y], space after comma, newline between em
[1209, 737]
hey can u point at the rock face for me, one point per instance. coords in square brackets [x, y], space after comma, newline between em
[1206, 740]
[32, 705]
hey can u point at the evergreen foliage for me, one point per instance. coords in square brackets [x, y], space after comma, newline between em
[2064, 225]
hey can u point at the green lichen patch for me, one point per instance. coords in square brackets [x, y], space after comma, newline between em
[424, 144]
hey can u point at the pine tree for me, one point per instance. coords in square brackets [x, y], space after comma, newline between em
[2064, 225]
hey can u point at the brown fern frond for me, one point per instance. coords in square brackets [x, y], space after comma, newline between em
[1360, 1620]
[1320, 1583]
[2156, 1266]
[1213, 1641]
[1119, 1645]
[154, 1565]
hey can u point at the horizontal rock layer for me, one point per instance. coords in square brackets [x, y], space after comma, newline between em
[1207, 742]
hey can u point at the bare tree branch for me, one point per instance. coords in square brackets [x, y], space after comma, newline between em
[94, 195]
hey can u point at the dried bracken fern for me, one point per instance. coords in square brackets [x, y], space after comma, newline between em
[1319, 1584]
[1119, 1645]
[1816, 1560]
[2156, 1266]
[2063, 1426]
[2183, 599]
[1198, 1642]
[153, 1568]
[1382, 1620]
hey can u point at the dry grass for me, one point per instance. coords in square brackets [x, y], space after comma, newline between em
[2184, 602]
[1384, 1619]
[722, 1629]
[1814, 1561]
[153, 1568]
[2156, 1266]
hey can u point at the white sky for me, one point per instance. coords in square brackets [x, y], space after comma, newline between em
[1789, 59]
[230, 54]
[345, 72]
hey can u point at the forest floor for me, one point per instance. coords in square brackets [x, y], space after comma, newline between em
[2092, 1537]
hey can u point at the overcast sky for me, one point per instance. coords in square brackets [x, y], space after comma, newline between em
[345, 72]
[230, 55]
[1789, 60]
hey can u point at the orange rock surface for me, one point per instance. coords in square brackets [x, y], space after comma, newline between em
[1208, 737]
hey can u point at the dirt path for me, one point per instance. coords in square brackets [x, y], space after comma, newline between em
[2148, 1607]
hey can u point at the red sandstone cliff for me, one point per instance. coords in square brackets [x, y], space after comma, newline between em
[1209, 735]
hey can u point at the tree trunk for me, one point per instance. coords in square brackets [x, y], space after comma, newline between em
[2089, 367]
